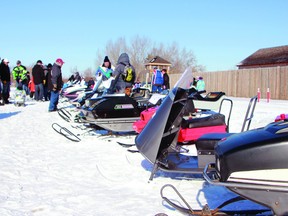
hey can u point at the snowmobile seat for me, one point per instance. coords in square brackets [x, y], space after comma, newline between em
[211, 96]
[193, 128]
[207, 118]
[208, 141]
[205, 147]
[211, 101]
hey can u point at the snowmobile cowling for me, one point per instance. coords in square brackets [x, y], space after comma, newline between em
[255, 150]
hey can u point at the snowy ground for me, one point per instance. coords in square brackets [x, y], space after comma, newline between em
[43, 173]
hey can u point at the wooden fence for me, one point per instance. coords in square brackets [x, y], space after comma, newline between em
[246, 82]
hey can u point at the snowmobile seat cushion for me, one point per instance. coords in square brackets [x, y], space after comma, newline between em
[210, 120]
[208, 141]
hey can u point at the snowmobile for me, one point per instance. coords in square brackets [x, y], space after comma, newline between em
[117, 112]
[211, 101]
[254, 164]
[158, 141]
[72, 92]
[196, 121]
[76, 96]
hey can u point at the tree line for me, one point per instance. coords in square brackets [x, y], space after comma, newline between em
[141, 50]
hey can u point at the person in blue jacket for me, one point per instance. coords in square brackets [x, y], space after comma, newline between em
[157, 80]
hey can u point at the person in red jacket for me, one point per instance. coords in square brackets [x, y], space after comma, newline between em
[31, 87]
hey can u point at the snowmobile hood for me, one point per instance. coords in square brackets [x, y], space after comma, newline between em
[162, 130]
[258, 149]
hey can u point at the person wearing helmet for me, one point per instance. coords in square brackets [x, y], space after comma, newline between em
[55, 83]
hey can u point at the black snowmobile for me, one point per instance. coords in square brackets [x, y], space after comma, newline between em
[117, 112]
[80, 96]
[254, 164]
[158, 141]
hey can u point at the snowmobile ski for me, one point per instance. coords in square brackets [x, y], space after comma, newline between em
[65, 132]
[126, 145]
[206, 209]
[64, 114]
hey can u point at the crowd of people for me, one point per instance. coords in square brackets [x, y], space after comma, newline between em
[45, 81]
[43, 84]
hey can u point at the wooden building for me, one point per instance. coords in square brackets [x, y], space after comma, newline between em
[266, 57]
[158, 62]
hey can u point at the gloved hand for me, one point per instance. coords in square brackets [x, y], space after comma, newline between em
[54, 87]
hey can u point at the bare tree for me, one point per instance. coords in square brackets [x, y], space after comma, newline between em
[112, 50]
[180, 59]
[140, 50]
[88, 73]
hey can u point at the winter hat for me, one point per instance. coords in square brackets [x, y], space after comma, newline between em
[39, 62]
[60, 61]
[106, 59]
[18, 62]
[49, 65]
[6, 60]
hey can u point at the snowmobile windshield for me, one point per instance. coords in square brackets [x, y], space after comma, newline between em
[185, 80]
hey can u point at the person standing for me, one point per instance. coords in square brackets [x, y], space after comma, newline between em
[157, 80]
[124, 74]
[1, 104]
[200, 86]
[19, 74]
[5, 77]
[46, 91]
[166, 80]
[38, 78]
[55, 84]
[31, 87]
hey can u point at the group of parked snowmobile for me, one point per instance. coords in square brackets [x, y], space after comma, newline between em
[252, 163]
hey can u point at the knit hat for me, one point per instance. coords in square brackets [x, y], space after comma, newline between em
[39, 61]
[106, 59]
[60, 61]
[18, 62]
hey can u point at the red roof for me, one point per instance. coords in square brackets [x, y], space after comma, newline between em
[267, 56]
[158, 60]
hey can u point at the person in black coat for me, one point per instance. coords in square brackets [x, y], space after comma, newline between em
[5, 77]
[166, 79]
[55, 84]
[38, 78]
[46, 91]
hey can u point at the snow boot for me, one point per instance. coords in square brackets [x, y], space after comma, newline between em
[1, 101]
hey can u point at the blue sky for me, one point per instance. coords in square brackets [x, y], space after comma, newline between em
[220, 33]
